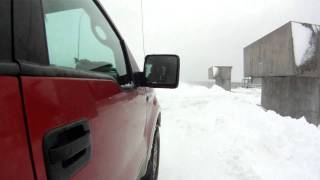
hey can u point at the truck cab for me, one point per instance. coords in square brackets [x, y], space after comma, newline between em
[73, 102]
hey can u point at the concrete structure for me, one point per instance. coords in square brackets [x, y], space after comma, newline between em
[211, 72]
[288, 61]
[292, 96]
[222, 75]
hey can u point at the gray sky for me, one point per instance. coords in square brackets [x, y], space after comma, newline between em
[204, 32]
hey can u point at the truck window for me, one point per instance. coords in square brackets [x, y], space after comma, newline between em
[79, 37]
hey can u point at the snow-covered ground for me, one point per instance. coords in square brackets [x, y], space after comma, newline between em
[220, 135]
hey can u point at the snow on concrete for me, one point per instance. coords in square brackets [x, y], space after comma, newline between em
[215, 71]
[214, 134]
[212, 72]
[304, 48]
[316, 28]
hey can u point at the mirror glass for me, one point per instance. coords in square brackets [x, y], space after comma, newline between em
[162, 71]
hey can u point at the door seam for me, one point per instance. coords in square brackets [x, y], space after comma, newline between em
[27, 130]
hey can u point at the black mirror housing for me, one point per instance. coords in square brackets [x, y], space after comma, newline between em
[161, 71]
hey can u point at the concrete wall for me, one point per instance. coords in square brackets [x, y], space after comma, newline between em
[274, 54]
[211, 73]
[271, 55]
[225, 84]
[223, 77]
[292, 96]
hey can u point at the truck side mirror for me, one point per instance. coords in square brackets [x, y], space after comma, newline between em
[162, 71]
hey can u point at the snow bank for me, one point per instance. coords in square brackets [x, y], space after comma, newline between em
[304, 47]
[215, 134]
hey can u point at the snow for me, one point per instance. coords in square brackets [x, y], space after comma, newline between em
[215, 71]
[304, 48]
[214, 134]
[316, 28]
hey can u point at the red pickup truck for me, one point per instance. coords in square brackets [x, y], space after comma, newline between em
[73, 102]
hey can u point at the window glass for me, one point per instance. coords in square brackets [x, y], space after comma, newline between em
[79, 37]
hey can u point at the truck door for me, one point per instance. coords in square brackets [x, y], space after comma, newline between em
[15, 156]
[86, 118]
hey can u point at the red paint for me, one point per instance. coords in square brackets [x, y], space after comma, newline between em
[120, 124]
[15, 163]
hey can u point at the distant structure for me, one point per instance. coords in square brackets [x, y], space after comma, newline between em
[222, 75]
[288, 61]
[212, 72]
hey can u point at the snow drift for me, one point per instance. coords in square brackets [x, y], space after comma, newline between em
[220, 135]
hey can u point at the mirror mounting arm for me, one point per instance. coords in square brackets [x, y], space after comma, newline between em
[139, 79]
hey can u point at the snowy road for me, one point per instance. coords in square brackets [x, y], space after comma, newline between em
[213, 134]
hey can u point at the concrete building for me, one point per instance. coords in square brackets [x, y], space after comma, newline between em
[222, 76]
[288, 61]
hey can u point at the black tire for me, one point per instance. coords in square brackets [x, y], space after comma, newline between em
[153, 164]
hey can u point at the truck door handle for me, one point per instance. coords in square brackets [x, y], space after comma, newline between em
[67, 149]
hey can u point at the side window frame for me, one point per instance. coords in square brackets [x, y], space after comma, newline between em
[122, 42]
[6, 31]
[31, 47]
[7, 64]
[29, 44]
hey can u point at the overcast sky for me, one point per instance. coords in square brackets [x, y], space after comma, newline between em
[204, 32]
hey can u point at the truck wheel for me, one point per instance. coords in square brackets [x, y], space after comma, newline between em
[153, 164]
